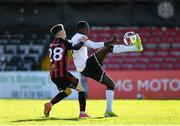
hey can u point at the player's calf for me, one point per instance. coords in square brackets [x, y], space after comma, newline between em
[82, 101]
[109, 95]
[56, 99]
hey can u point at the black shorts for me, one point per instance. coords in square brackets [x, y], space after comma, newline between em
[93, 69]
[67, 81]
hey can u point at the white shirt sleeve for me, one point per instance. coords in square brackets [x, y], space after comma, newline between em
[94, 45]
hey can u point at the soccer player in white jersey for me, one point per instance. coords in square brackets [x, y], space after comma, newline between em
[92, 66]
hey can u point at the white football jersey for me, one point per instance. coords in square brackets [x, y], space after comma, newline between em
[80, 56]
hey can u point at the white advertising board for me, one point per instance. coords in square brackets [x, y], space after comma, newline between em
[29, 85]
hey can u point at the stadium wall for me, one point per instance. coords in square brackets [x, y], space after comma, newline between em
[129, 85]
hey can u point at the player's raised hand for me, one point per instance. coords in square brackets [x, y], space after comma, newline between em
[114, 39]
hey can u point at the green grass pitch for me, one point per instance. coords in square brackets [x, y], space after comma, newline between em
[130, 112]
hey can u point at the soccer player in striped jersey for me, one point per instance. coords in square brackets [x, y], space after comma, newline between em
[92, 66]
[58, 52]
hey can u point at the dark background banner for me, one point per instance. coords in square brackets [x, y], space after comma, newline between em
[96, 13]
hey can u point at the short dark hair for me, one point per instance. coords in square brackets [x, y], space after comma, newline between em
[81, 24]
[56, 28]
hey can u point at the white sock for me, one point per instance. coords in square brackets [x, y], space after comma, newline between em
[123, 48]
[109, 100]
[82, 112]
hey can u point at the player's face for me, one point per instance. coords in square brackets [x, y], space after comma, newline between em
[63, 34]
[86, 30]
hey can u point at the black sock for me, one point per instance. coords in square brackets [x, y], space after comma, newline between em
[58, 97]
[82, 101]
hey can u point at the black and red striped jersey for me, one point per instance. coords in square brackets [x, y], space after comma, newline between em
[58, 53]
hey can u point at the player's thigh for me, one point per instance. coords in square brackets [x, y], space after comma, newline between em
[93, 69]
[60, 83]
[72, 81]
[96, 75]
[102, 53]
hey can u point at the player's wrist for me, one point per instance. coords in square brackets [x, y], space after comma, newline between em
[108, 43]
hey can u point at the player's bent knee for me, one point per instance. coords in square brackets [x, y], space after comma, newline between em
[79, 88]
[111, 86]
[108, 82]
[68, 91]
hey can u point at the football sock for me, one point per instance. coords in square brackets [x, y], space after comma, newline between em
[58, 97]
[82, 101]
[109, 100]
[82, 112]
[123, 48]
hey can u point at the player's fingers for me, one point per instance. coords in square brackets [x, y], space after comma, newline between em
[115, 38]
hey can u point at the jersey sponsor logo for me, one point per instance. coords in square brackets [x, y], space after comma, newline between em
[54, 45]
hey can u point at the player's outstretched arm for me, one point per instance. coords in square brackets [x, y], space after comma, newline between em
[94, 45]
[97, 45]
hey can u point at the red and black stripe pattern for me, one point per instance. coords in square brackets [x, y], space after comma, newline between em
[58, 58]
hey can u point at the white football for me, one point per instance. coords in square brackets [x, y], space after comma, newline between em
[129, 38]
